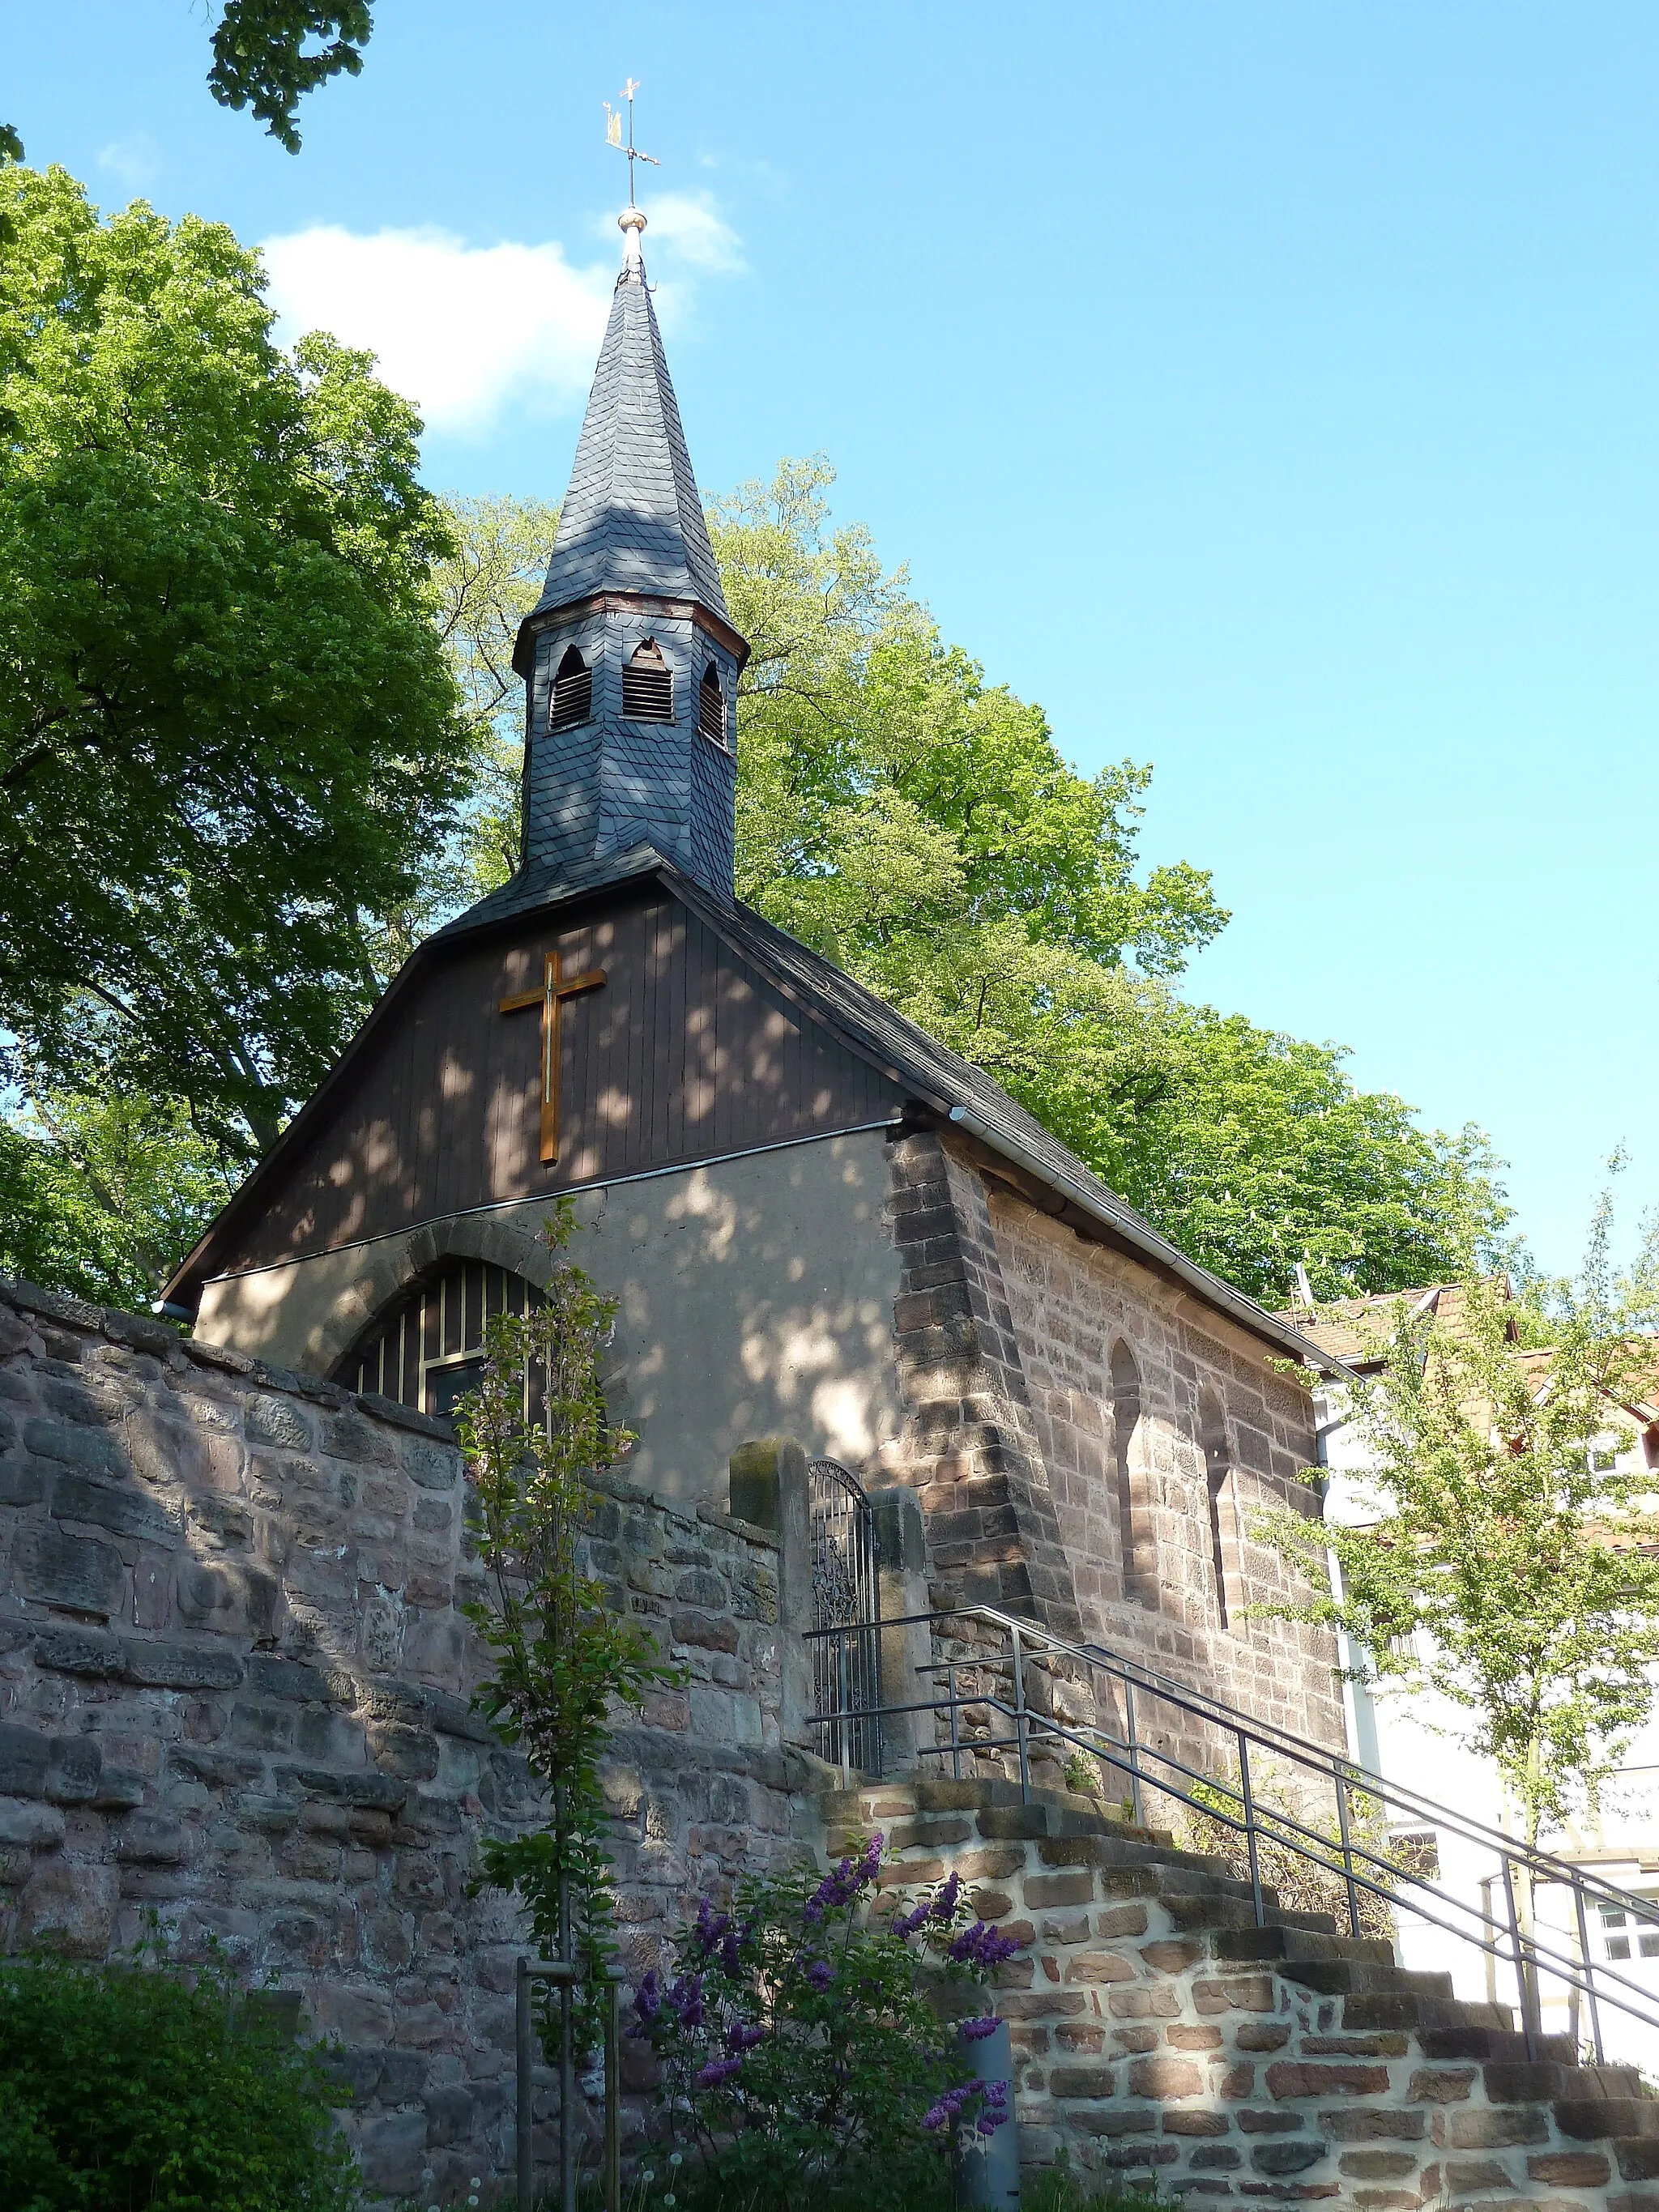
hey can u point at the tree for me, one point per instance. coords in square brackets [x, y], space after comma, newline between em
[921, 828]
[229, 735]
[1503, 1571]
[100, 1195]
[560, 1656]
[261, 60]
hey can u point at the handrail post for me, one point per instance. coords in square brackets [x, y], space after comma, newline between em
[1347, 1852]
[1523, 1993]
[613, 2096]
[1136, 1809]
[956, 1733]
[524, 2116]
[1249, 1830]
[1019, 1718]
[1589, 1972]
[567, 2055]
[844, 1701]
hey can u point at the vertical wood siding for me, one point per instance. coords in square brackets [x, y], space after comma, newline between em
[684, 1055]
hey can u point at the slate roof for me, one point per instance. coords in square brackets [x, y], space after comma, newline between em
[632, 521]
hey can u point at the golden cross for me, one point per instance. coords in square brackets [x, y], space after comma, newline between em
[556, 987]
[613, 137]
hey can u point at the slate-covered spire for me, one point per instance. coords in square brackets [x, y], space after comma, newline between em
[632, 630]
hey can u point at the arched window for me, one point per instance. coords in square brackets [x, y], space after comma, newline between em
[1134, 1508]
[573, 693]
[647, 685]
[426, 1348]
[711, 705]
[1218, 1468]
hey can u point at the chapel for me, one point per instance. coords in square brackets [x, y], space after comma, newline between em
[818, 1221]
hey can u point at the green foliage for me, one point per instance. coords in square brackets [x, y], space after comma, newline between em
[228, 732]
[561, 1659]
[100, 1195]
[1057, 2189]
[921, 828]
[805, 2056]
[1507, 1564]
[261, 60]
[133, 2086]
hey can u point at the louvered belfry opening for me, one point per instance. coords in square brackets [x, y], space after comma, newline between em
[647, 685]
[711, 705]
[573, 693]
[426, 1349]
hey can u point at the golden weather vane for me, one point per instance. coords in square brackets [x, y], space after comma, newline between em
[613, 134]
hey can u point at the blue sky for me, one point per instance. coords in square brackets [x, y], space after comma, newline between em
[1267, 386]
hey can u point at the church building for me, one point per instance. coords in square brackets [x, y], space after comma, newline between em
[818, 1221]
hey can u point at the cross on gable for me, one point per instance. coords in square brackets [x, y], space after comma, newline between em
[556, 988]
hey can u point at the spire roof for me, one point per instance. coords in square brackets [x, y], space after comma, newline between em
[632, 521]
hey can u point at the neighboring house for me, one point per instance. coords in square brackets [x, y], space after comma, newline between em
[1413, 1741]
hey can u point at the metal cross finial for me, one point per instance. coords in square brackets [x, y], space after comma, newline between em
[613, 134]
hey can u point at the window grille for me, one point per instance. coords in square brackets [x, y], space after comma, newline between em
[573, 693]
[711, 705]
[426, 1349]
[647, 686]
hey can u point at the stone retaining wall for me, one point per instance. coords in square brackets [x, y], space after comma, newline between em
[234, 1692]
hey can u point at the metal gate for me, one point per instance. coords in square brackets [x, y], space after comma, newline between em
[847, 1615]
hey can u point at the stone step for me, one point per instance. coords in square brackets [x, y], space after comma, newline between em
[1289, 1941]
[1345, 1978]
[1638, 2160]
[1594, 2119]
[1467, 2039]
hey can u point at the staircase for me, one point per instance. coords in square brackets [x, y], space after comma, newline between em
[1160, 2034]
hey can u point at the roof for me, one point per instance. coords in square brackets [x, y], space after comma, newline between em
[940, 1079]
[1358, 1330]
[632, 521]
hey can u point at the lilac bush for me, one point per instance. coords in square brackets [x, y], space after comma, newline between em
[807, 2047]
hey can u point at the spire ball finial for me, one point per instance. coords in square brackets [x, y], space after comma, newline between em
[631, 222]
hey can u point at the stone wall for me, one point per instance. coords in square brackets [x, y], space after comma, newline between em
[235, 1691]
[1210, 1410]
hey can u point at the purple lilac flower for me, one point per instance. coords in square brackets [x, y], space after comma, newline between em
[980, 1946]
[716, 2071]
[996, 2107]
[976, 2031]
[739, 2038]
[647, 2004]
[820, 1973]
[949, 2107]
[944, 1903]
[711, 1928]
[911, 1920]
[684, 2000]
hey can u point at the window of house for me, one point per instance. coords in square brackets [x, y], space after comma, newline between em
[647, 685]
[573, 693]
[711, 707]
[1621, 1929]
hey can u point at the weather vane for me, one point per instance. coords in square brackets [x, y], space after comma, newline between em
[613, 134]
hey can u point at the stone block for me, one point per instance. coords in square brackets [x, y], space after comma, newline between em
[1570, 2169]
[69, 1909]
[1248, 1993]
[73, 1775]
[1098, 1967]
[88, 1450]
[80, 1651]
[151, 1839]
[1082, 2081]
[1285, 2078]
[1441, 2085]
[83, 1573]
[181, 1666]
[1377, 2165]
[1490, 2127]
[1164, 2077]
[29, 1827]
[22, 1480]
[1172, 1957]
[1465, 2175]
[1050, 1889]
[272, 1420]
[1286, 2158]
[392, 2150]
[1197, 2123]
[25, 1756]
[431, 1465]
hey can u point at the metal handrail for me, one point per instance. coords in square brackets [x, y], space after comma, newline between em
[1361, 1868]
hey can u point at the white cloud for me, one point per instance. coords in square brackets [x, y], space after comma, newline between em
[465, 332]
[459, 330]
[134, 161]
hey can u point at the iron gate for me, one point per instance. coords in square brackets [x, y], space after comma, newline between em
[846, 1604]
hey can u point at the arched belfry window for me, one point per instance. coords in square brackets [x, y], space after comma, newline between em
[711, 705]
[573, 693]
[426, 1348]
[647, 685]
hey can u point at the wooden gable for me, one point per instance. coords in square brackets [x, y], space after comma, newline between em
[685, 1052]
